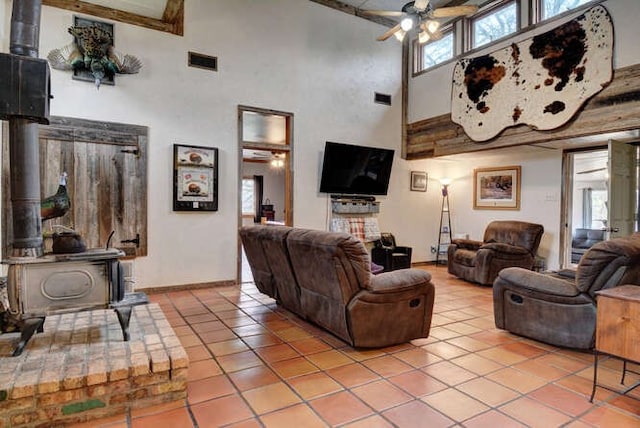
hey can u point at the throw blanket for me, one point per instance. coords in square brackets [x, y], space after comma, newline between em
[363, 228]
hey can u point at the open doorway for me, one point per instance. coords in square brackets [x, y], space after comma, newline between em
[265, 172]
[601, 188]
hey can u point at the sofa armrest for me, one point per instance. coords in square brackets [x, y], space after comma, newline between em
[539, 282]
[467, 244]
[402, 249]
[398, 280]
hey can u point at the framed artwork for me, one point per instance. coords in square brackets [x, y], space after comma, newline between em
[195, 178]
[418, 181]
[496, 188]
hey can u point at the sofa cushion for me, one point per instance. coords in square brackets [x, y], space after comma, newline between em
[465, 257]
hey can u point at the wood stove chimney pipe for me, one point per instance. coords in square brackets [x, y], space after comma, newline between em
[23, 141]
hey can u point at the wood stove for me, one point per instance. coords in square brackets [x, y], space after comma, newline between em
[61, 283]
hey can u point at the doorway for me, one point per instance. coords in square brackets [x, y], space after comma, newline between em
[601, 188]
[265, 141]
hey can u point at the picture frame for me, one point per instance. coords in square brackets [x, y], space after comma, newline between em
[497, 188]
[195, 178]
[419, 181]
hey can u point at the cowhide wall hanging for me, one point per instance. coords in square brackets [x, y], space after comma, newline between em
[541, 81]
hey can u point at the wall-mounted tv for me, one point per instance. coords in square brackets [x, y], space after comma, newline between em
[355, 170]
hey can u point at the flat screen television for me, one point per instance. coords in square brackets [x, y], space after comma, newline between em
[355, 170]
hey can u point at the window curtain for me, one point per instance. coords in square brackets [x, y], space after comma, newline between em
[587, 212]
[258, 181]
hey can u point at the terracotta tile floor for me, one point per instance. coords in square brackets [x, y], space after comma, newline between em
[256, 365]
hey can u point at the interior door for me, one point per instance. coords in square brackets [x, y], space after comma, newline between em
[622, 186]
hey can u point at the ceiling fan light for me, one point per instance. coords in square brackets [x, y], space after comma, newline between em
[406, 24]
[433, 26]
[423, 37]
[400, 34]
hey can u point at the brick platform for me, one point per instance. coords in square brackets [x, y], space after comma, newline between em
[80, 368]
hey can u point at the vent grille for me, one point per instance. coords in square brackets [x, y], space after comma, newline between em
[382, 99]
[203, 61]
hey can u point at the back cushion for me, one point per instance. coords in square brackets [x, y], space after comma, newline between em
[518, 233]
[610, 263]
[334, 265]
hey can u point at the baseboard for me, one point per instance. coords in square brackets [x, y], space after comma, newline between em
[182, 287]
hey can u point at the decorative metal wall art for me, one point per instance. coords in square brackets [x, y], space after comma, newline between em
[91, 56]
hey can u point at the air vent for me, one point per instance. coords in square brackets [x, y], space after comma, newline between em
[382, 99]
[203, 61]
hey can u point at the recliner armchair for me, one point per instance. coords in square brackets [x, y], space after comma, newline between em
[505, 244]
[388, 254]
[559, 308]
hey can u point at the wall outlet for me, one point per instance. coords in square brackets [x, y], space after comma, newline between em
[433, 249]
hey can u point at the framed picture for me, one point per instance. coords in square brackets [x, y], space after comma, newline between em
[418, 181]
[195, 178]
[496, 188]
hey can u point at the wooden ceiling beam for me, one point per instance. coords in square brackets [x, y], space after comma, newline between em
[351, 10]
[176, 26]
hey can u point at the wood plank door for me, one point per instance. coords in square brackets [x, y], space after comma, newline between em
[622, 189]
[107, 184]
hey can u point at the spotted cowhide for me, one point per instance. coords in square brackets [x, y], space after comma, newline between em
[541, 81]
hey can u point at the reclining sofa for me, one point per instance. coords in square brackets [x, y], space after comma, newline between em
[559, 308]
[325, 278]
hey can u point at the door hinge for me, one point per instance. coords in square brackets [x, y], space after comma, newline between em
[136, 241]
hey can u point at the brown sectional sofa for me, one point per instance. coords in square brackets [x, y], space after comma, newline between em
[325, 278]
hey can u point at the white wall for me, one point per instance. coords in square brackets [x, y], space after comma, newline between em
[430, 95]
[289, 55]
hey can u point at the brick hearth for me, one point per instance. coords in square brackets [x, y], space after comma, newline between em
[80, 368]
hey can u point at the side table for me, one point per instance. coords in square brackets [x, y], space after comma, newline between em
[618, 329]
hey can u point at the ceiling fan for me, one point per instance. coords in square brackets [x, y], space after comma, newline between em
[422, 15]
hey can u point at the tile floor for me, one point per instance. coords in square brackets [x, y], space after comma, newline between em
[253, 364]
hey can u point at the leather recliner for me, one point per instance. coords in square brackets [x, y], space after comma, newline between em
[559, 308]
[386, 253]
[505, 244]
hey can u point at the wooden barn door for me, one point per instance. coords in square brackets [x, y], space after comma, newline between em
[107, 184]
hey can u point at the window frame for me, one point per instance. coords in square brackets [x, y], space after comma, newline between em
[419, 47]
[527, 11]
[487, 11]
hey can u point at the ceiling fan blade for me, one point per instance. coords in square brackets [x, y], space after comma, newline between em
[589, 171]
[446, 12]
[382, 12]
[420, 4]
[434, 34]
[389, 33]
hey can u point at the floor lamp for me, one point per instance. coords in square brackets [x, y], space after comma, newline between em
[444, 232]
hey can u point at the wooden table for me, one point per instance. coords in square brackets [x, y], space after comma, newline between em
[618, 329]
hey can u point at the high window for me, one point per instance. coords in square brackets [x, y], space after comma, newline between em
[494, 21]
[437, 51]
[551, 8]
[494, 24]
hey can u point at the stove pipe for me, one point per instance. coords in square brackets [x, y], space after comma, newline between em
[23, 141]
